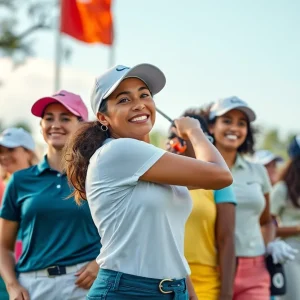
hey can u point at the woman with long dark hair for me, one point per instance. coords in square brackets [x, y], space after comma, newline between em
[285, 204]
[230, 122]
[209, 231]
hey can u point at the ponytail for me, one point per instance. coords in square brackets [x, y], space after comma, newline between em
[78, 151]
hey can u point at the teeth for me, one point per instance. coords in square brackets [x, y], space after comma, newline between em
[141, 118]
[231, 136]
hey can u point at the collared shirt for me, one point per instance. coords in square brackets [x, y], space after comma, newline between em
[54, 229]
[250, 183]
[141, 223]
[200, 238]
[283, 207]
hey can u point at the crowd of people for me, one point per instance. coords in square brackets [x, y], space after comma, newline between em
[107, 215]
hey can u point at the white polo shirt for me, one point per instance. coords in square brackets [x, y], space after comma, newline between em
[141, 224]
[250, 184]
[283, 207]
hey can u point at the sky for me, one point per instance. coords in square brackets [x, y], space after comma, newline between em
[207, 49]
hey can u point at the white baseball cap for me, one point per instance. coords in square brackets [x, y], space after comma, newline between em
[264, 157]
[106, 83]
[224, 105]
[16, 137]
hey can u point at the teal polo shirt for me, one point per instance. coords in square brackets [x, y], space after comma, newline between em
[54, 229]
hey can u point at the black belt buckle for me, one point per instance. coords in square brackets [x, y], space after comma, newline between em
[56, 271]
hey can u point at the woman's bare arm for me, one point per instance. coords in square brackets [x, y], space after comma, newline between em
[225, 227]
[207, 171]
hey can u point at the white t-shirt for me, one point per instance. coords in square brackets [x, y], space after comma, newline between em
[141, 224]
[250, 184]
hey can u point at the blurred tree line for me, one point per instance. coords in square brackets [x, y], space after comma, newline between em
[272, 140]
[268, 139]
[19, 124]
[18, 43]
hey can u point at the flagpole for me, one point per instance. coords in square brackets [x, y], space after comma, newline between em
[58, 51]
[111, 57]
[112, 49]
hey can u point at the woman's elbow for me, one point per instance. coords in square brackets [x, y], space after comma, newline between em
[226, 242]
[223, 179]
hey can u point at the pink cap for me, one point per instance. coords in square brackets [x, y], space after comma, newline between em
[70, 101]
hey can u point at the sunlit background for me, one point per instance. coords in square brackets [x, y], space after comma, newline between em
[207, 49]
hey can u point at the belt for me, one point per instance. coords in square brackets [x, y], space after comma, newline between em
[165, 286]
[56, 270]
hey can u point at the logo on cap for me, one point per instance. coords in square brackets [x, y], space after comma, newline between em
[236, 100]
[121, 69]
[59, 94]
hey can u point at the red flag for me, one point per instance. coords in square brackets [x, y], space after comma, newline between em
[89, 21]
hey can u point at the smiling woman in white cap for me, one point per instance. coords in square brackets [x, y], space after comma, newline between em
[60, 240]
[209, 231]
[16, 150]
[230, 124]
[137, 192]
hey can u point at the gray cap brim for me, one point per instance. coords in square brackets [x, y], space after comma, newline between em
[267, 160]
[153, 77]
[246, 110]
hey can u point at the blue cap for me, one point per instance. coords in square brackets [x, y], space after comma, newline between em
[294, 147]
[264, 157]
[16, 137]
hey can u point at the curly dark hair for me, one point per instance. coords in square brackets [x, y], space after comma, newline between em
[192, 113]
[248, 146]
[78, 151]
[291, 176]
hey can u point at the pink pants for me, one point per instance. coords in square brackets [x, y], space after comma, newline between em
[252, 281]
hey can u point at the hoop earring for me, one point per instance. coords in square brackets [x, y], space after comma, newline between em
[104, 127]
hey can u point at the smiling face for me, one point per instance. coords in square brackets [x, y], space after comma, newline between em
[57, 125]
[14, 159]
[230, 130]
[130, 111]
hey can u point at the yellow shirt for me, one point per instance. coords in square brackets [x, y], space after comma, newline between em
[200, 240]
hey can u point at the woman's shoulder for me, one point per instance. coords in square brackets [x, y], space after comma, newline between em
[25, 173]
[125, 147]
[280, 186]
[111, 142]
[256, 167]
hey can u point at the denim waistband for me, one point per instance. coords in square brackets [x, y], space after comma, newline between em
[164, 285]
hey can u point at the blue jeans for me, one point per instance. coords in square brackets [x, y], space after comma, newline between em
[112, 285]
